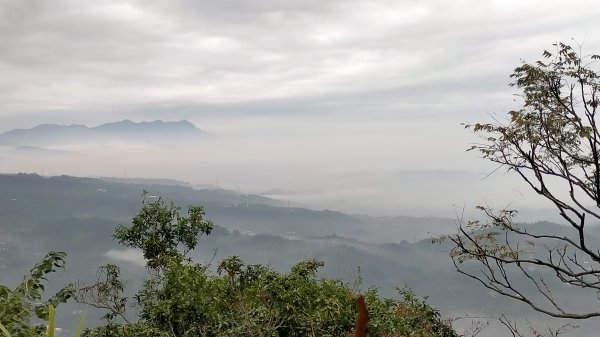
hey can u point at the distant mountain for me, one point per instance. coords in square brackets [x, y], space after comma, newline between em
[146, 181]
[148, 132]
[243, 212]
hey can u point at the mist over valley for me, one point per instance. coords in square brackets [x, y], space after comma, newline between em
[312, 165]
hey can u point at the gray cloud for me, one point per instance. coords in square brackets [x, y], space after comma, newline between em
[105, 56]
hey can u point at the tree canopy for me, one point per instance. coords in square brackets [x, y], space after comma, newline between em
[183, 298]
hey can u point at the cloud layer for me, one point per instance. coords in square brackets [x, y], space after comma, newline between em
[94, 58]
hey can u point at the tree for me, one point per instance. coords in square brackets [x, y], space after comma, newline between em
[159, 230]
[553, 144]
[184, 298]
[106, 293]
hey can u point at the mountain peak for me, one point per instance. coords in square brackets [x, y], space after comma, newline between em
[154, 123]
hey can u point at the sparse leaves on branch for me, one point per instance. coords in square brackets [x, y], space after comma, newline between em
[106, 293]
[553, 144]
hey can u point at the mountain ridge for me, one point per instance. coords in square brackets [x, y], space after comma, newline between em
[126, 130]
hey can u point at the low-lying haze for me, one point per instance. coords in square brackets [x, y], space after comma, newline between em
[314, 164]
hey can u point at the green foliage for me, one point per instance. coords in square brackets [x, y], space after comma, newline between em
[214, 306]
[159, 230]
[51, 324]
[18, 306]
[557, 122]
[185, 299]
[126, 330]
[408, 316]
[254, 300]
[106, 293]
[51, 319]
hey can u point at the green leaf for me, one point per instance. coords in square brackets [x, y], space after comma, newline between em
[81, 323]
[4, 331]
[51, 317]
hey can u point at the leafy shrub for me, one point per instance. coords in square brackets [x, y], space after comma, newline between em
[254, 300]
[183, 298]
[20, 305]
[126, 330]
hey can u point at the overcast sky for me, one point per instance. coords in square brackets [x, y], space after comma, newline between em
[97, 61]
[396, 77]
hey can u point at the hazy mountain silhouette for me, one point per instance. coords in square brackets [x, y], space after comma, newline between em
[148, 132]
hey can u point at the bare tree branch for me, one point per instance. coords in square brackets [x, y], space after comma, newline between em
[553, 144]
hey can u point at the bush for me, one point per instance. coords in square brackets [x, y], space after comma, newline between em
[183, 298]
[20, 305]
[254, 300]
